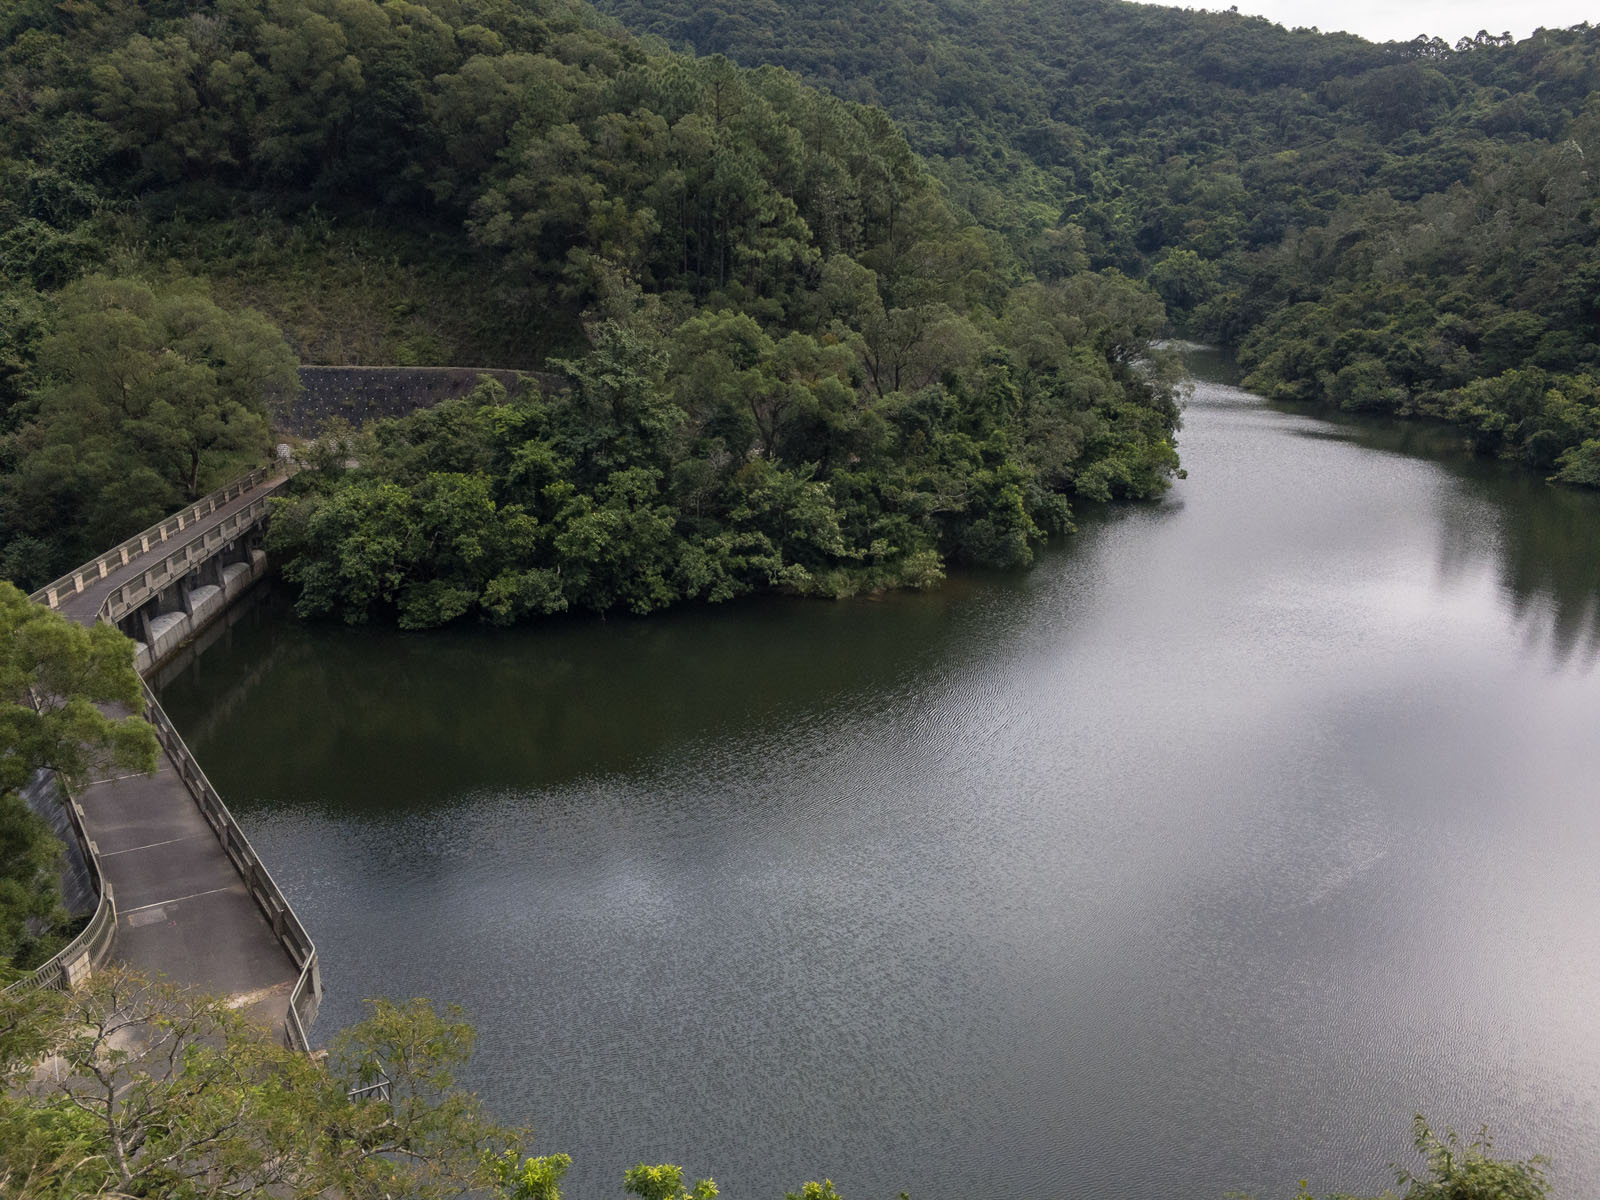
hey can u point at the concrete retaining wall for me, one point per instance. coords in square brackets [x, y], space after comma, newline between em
[80, 888]
[171, 631]
[363, 394]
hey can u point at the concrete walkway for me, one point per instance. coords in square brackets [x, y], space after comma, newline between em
[184, 912]
[84, 607]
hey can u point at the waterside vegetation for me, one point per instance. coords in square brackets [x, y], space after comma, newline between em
[155, 1091]
[1407, 228]
[794, 363]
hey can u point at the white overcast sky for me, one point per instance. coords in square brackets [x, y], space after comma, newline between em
[1402, 20]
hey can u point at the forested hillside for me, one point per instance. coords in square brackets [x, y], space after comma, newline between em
[794, 364]
[929, 355]
[1407, 228]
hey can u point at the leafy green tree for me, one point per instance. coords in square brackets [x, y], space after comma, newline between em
[1457, 1171]
[22, 325]
[146, 397]
[156, 1091]
[665, 1182]
[537, 1178]
[1580, 465]
[814, 1191]
[54, 675]
[1184, 280]
[167, 372]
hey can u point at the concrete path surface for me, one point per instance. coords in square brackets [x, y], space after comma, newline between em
[184, 912]
[84, 607]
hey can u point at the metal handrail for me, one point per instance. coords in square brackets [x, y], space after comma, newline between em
[294, 1028]
[381, 1088]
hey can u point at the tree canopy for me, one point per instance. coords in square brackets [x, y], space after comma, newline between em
[144, 398]
[979, 227]
[1404, 228]
[1457, 1170]
[158, 1091]
[793, 363]
[54, 674]
[709, 459]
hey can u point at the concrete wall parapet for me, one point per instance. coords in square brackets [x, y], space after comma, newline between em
[75, 581]
[363, 394]
[184, 557]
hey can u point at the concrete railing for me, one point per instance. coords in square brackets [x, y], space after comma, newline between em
[286, 927]
[89, 949]
[177, 563]
[81, 955]
[73, 582]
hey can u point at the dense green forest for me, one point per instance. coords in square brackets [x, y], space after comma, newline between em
[1404, 228]
[872, 289]
[793, 362]
[804, 352]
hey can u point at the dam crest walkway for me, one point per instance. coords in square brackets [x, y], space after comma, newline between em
[183, 894]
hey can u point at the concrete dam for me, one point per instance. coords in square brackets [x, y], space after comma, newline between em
[180, 892]
[175, 886]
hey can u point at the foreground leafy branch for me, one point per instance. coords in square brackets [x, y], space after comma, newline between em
[54, 676]
[1457, 1171]
[128, 1088]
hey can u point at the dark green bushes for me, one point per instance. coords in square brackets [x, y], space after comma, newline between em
[709, 460]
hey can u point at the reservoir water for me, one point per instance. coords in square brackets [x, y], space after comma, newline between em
[1194, 860]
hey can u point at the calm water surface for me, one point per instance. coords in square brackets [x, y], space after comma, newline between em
[1194, 860]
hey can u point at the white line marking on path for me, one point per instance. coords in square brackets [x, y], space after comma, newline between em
[174, 900]
[152, 845]
[120, 778]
